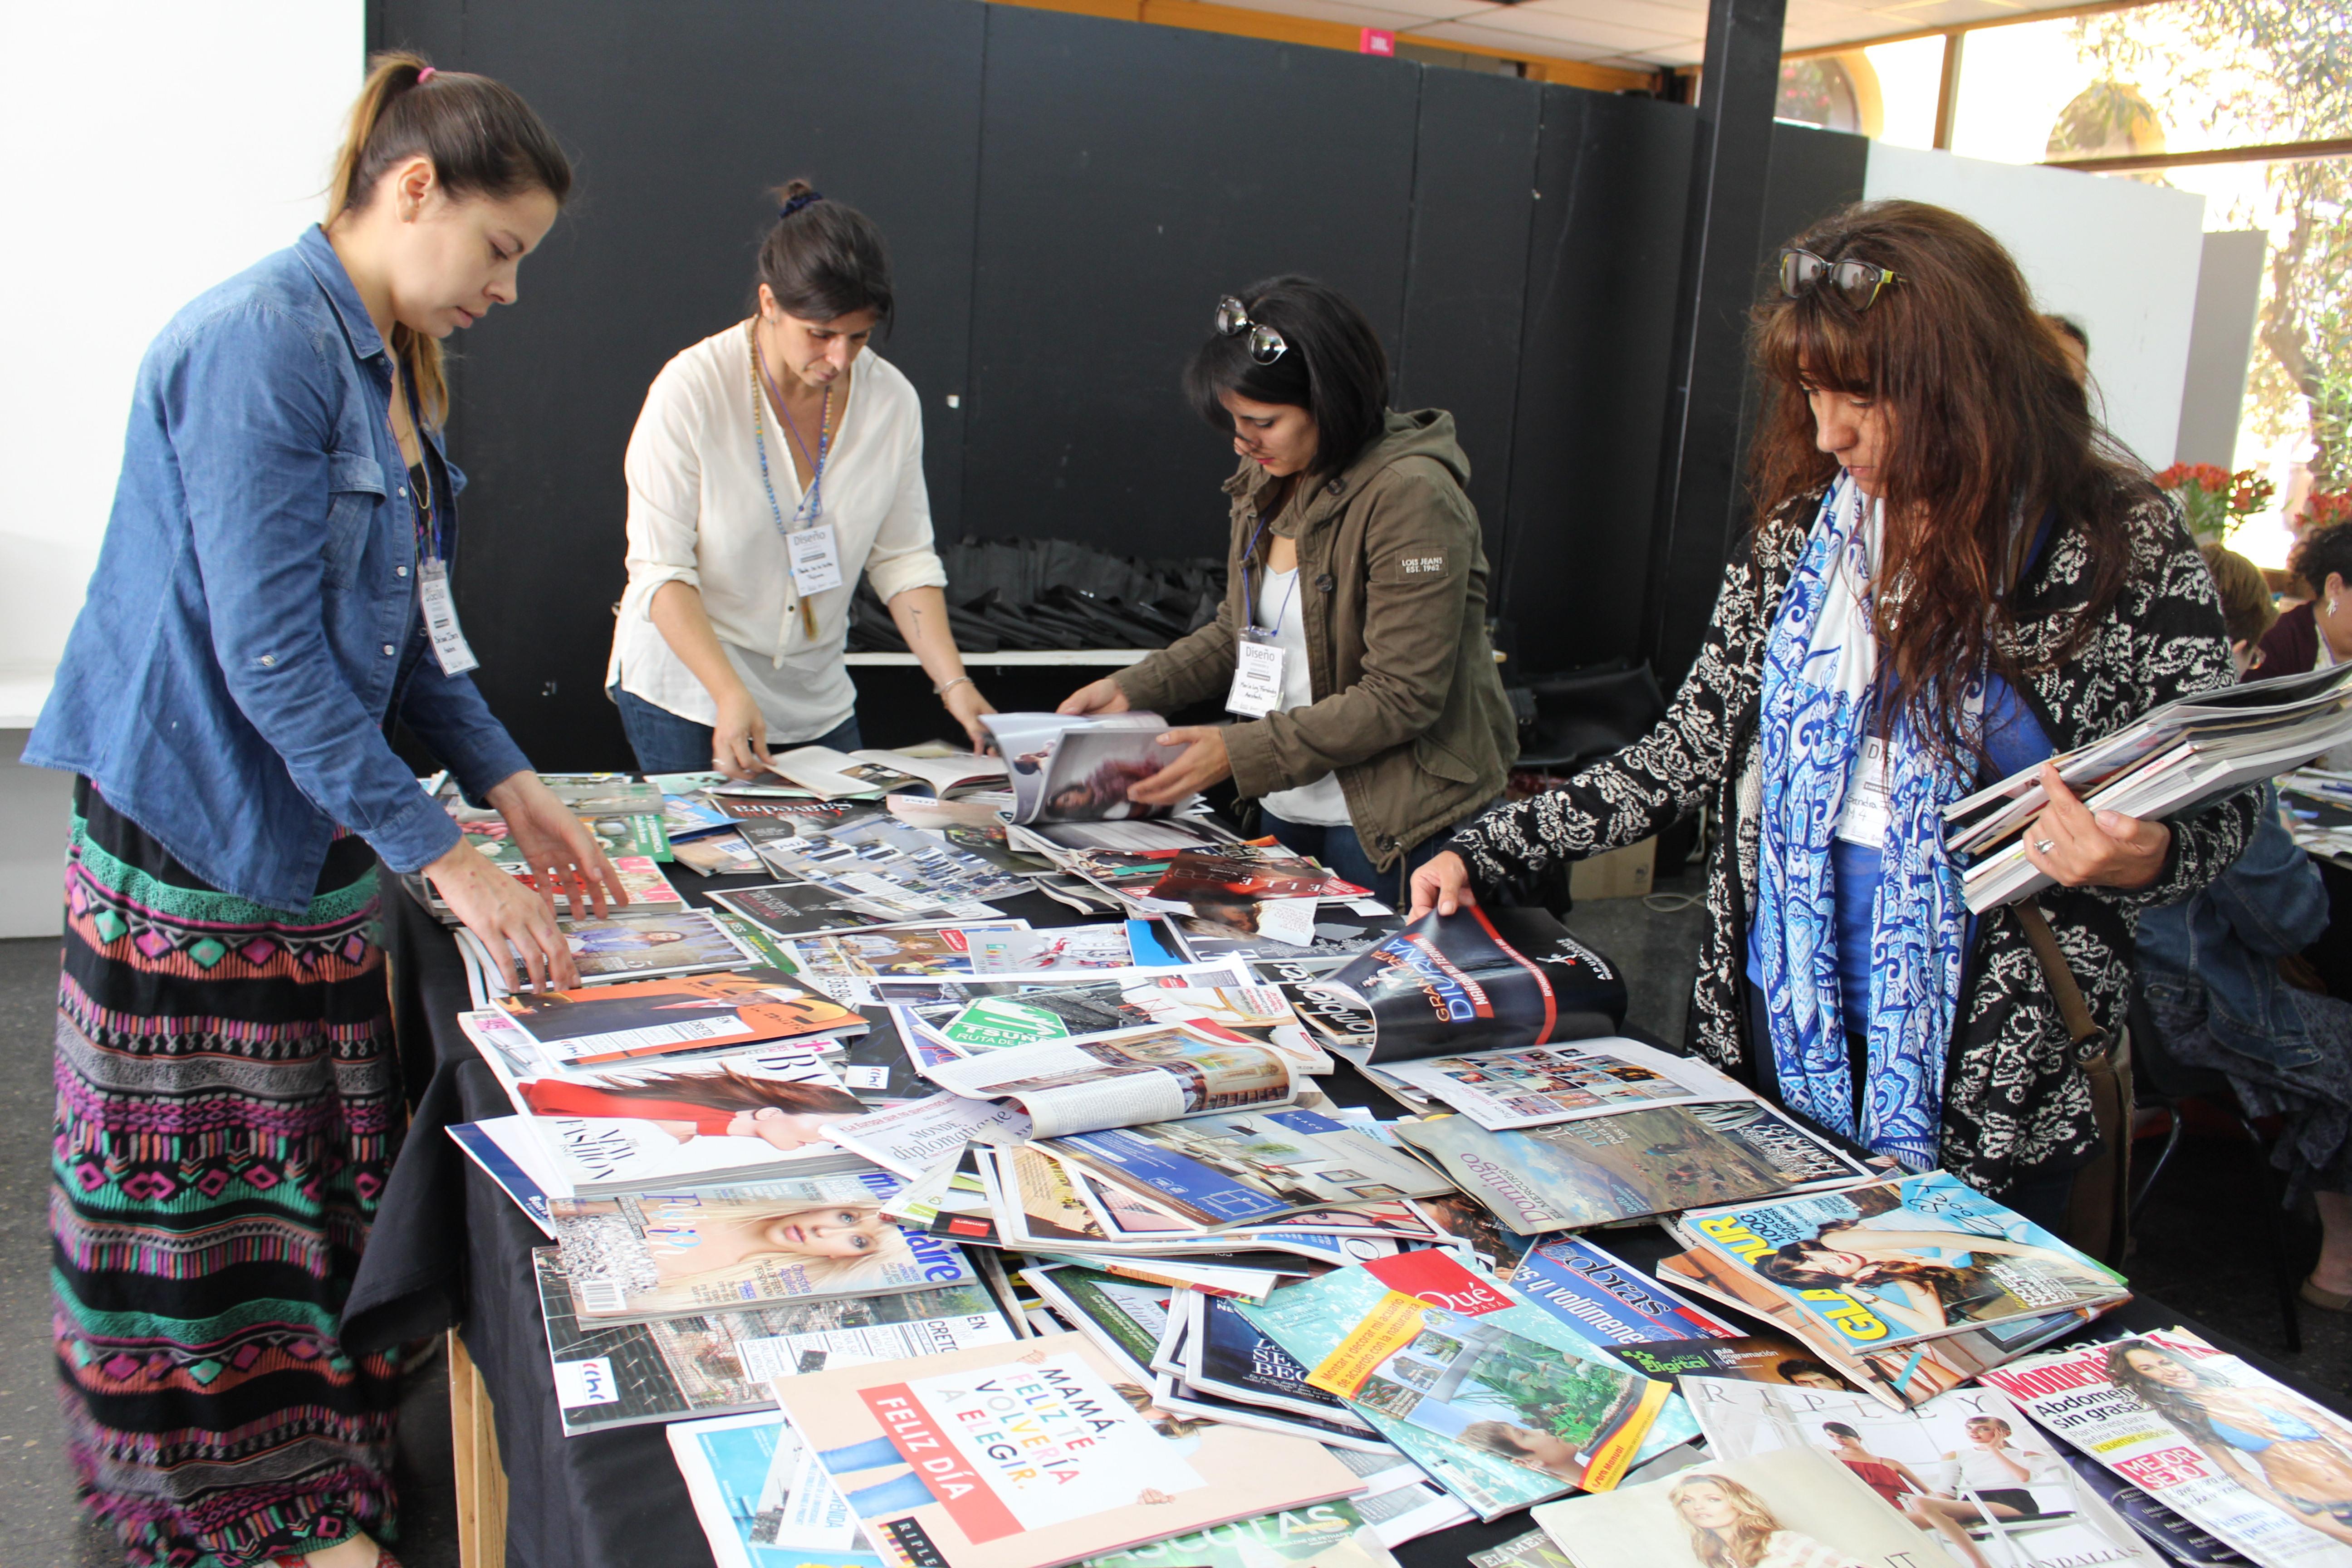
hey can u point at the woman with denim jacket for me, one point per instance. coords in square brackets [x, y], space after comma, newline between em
[2209, 969]
[229, 1099]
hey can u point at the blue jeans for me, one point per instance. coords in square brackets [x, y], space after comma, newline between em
[1343, 852]
[665, 744]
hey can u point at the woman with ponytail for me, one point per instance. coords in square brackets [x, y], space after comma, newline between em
[271, 596]
[775, 462]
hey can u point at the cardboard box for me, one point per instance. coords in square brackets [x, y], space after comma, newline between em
[1620, 874]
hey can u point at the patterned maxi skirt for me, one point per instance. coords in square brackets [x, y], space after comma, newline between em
[227, 1110]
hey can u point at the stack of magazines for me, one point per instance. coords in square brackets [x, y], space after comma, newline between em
[2166, 763]
[942, 1240]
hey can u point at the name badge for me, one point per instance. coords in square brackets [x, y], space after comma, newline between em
[816, 563]
[449, 649]
[1863, 818]
[1257, 676]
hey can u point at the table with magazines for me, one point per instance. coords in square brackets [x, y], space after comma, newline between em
[451, 1247]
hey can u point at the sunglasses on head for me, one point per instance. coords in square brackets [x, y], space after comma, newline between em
[1266, 344]
[1857, 283]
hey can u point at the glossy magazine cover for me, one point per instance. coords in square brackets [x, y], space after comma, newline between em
[1482, 980]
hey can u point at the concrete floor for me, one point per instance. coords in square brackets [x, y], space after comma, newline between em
[2197, 1249]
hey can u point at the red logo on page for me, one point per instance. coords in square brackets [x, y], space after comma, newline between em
[1433, 1277]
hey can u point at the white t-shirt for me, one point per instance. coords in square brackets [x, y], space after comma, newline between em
[699, 514]
[1319, 803]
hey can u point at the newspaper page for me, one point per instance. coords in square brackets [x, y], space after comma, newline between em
[911, 1139]
[2265, 1469]
[1134, 1075]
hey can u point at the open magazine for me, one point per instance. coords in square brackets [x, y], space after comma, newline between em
[657, 1123]
[886, 865]
[1068, 768]
[823, 771]
[1538, 1085]
[627, 946]
[1637, 1164]
[1035, 1455]
[1250, 1167]
[1964, 1469]
[2265, 1469]
[1894, 1262]
[664, 1254]
[1793, 1507]
[1155, 1074]
[1478, 980]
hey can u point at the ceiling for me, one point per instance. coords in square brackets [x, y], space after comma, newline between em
[1641, 34]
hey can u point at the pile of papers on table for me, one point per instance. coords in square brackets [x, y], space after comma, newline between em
[965, 1244]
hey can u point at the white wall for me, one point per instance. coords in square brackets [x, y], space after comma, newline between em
[158, 146]
[2119, 256]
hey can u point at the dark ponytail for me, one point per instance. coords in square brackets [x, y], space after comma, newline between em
[483, 141]
[823, 260]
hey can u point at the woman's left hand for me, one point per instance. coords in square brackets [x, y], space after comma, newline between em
[2093, 850]
[563, 854]
[1204, 764]
[965, 704]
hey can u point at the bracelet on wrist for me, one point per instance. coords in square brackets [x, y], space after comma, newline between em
[945, 687]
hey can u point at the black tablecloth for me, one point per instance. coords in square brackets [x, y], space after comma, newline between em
[449, 1248]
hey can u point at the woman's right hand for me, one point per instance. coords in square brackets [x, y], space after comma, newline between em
[1097, 696]
[739, 741]
[508, 917]
[1442, 884]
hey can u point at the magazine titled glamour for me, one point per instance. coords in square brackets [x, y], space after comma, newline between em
[2265, 1469]
[1155, 1074]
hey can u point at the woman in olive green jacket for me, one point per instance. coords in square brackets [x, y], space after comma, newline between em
[1351, 647]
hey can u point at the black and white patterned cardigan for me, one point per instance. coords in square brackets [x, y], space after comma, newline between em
[2016, 1102]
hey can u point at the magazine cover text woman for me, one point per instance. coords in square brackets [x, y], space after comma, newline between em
[2280, 1447]
[1731, 1527]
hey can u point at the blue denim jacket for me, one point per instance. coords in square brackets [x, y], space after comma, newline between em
[253, 619]
[2230, 938]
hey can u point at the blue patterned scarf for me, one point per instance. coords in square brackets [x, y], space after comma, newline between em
[1819, 696]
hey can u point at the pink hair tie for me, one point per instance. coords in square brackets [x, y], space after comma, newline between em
[426, 75]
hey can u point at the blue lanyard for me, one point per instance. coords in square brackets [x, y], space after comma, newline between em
[812, 507]
[428, 526]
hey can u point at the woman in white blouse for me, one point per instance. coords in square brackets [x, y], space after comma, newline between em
[773, 463]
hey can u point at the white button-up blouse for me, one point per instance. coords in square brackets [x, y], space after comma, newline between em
[699, 514]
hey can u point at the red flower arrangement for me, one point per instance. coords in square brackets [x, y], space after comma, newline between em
[2212, 499]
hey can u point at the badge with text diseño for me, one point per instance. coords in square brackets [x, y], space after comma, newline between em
[816, 563]
[449, 649]
[1864, 819]
[1257, 676]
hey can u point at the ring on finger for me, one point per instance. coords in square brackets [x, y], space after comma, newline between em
[2045, 845]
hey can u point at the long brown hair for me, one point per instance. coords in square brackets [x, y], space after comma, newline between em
[1743, 1544]
[1988, 428]
[483, 140]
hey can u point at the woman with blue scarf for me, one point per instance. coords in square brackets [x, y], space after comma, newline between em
[1958, 572]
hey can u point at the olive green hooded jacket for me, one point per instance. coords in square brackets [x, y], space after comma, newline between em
[1408, 709]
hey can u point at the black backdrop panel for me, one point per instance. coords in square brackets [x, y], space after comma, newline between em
[1128, 176]
[679, 118]
[1604, 255]
[1465, 278]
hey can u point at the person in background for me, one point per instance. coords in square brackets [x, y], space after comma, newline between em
[1352, 644]
[2075, 344]
[774, 462]
[2214, 972]
[229, 1101]
[1924, 430]
[2318, 633]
